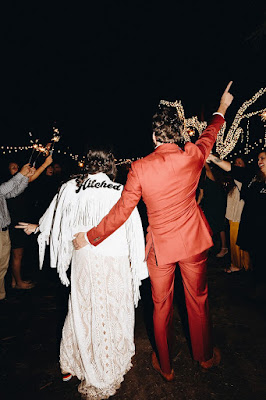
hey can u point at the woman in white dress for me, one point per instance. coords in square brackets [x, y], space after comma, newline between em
[98, 335]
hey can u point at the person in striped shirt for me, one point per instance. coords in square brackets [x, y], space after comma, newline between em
[9, 189]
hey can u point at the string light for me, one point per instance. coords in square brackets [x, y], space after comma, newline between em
[224, 147]
[191, 132]
[193, 122]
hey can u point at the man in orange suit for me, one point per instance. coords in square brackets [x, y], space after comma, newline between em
[167, 180]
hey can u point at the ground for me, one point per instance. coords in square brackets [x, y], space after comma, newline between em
[29, 361]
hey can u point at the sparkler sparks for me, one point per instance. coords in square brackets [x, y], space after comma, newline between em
[263, 116]
[55, 139]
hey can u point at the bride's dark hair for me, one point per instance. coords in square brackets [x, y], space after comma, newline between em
[98, 161]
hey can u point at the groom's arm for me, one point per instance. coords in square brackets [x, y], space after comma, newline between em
[207, 139]
[120, 211]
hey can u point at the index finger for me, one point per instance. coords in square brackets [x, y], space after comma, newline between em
[228, 86]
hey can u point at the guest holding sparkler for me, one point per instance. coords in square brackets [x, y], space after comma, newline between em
[9, 189]
[49, 184]
[20, 208]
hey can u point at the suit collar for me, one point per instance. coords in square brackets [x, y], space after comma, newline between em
[166, 147]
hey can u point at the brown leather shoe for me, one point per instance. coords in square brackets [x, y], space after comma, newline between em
[156, 366]
[214, 361]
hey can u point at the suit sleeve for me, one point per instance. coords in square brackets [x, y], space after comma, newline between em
[208, 137]
[120, 211]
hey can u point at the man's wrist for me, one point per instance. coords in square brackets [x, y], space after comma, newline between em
[222, 109]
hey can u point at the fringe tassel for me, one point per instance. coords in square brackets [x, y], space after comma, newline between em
[70, 212]
[136, 245]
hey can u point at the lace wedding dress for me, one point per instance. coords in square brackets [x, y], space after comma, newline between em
[97, 343]
[98, 335]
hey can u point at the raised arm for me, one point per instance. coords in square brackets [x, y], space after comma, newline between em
[17, 184]
[207, 139]
[226, 100]
[40, 170]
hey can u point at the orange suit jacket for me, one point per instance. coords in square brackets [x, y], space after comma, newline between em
[167, 180]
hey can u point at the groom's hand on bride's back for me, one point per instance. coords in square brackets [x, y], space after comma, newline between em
[80, 240]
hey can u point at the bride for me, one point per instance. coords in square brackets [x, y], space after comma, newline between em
[98, 335]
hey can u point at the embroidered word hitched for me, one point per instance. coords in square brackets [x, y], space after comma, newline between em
[89, 183]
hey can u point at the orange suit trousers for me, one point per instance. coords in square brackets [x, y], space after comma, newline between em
[194, 277]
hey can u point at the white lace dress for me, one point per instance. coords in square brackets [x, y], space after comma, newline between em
[98, 335]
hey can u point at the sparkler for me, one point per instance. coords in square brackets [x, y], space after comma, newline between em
[34, 146]
[55, 139]
[41, 150]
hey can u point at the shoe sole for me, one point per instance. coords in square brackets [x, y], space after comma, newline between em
[67, 377]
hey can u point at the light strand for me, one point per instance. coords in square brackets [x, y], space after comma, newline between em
[225, 146]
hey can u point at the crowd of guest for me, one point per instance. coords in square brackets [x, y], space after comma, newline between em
[234, 205]
[223, 190]
[247, 217]
[222, 197]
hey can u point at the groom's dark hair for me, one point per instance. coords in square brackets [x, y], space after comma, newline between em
[167, 126]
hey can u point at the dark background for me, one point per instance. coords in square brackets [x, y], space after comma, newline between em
[98, 70]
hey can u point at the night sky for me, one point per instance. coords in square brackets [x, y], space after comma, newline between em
[98, 71]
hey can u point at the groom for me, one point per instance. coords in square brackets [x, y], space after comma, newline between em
[167, 180]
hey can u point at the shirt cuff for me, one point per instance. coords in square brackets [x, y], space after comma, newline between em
[217, 113]
[20, 177]
[86, 237]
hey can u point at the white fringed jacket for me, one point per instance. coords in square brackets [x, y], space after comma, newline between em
[76, 210]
